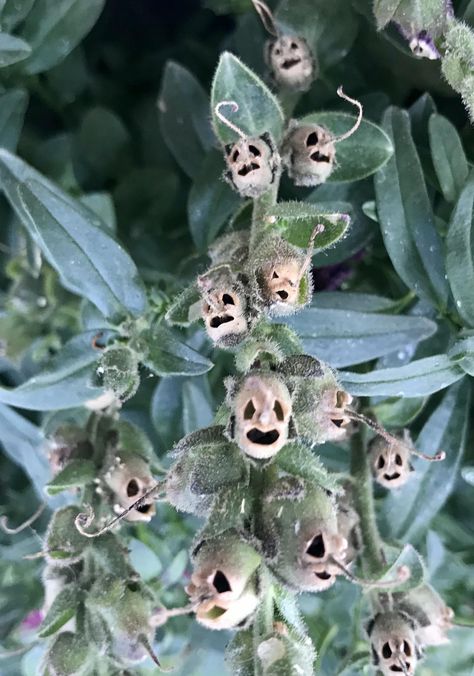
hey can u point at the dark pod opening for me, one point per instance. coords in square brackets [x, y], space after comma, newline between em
[247, 168]
[319, 157]
[312, 139]
[227, 299]
[398, 460]
[221, 583]
[386, 651]
[255, 151]
[380, 462]
[337, 421]
[324, 575]
[143, 509]
[218, 321]
[406, 648]
[256, 436]
[132, 488]
[391, 477]
[316, 547]
[290, 63]
[283, 294]
[395, 668]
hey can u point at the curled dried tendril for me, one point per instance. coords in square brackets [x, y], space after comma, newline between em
[25, 524]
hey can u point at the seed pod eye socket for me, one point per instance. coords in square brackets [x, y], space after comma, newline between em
[386, 651]
[249, 411]
[316, 547]
[221, 583]
[312, 139]
[132, 488]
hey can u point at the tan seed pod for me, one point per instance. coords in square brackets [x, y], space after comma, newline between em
[129, 478]
[291, 62]
[390, 462]
[393, 643]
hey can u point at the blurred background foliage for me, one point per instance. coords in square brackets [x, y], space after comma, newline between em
[84, 112]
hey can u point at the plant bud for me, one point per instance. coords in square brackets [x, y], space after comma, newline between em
[69, 655]
[302, 539]
[308, 153]
[224, 584]
[129, 478]
[64, 544]
[291, 62]
[224, 306]
[261, 408]
[118, 369]
[393, 642]
[390, 462]
[252, 164]
[432, 615]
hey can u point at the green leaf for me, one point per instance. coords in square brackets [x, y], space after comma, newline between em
[296, 221]
[12, 49]
[448, 156]
[54, 27]
[13, 104]
[384, 11]
[406, 217]
[76, 473]
[409, 558]
[211, 201]
[178, 312]
[259, 110]
[66, 383]
[356, 302]
[168, 356]
[74, 241]
[462, 353]
[460, 253]
[359, 156]
[343, 337]
[62, 610]
[298, 460]
[184, 118]
[409, 510]
[14, 12]
[398, 411]
[416, 379]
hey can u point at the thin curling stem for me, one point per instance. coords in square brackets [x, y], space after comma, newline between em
[235, 107]
[437, 457]
[85, 519]
[403, 574]
[25, 524]
[266, 17]
[356, 126]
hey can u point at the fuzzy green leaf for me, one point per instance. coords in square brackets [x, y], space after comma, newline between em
[168, 356]
[462, 353]
[384, 11]
[416, 379]
[259, 110]
[448, 156]
[89, 261]
[398, 412]
[460, 253]
[406, 216]
[299, 461]
[75, 474]
[12, 49]
[184, 118]
[296, 221]
[13, 104]
[178, 312]
[359, 156]
[62, 610]
[342, 338]
[54, 27]
[409, 510]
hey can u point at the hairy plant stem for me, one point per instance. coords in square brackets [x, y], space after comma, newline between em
[261, 205]
[372, 553]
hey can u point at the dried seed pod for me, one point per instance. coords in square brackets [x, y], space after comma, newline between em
[393, 643]
[224, 306]
[261, 412]
[302, 541]
[252, 162]
[224, 584]
[292, 62]
[309, 150]
[432, 615]
[128, 476]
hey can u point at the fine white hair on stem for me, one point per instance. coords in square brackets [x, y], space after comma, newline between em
[318, 229]
[25, 524]
[235, 107]
[266, 16]
[356, 126]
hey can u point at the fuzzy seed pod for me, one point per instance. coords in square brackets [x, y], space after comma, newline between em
[301, 538]
[432, 615]
[252, 165]
[291, 62]
[308, 153]
[224, 306]
[390, 462]
[69, 655]
[128, 476]
[393, 643]
[224, 581]
[261, 412]
[64, 544]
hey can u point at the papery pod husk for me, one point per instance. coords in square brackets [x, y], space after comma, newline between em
[68, 442]
[69, 655]
[206, 464]
[64, 545]
[393, 639]
[432, 615]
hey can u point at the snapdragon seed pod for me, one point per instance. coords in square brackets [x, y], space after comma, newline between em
[129, 478]
[393, 643]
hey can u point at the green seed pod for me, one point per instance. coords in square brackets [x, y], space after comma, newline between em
[261, 412]
[390, 462]
[64, 544]
[432, 615]
[69, 655]
[301, 538]
[291, 62]
[308, 153]
[118, 369]
[128, 476]
[252, 165]
[224, 581]
[393, 643]
[206, 463]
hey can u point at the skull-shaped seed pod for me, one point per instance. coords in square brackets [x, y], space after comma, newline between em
[302, 543]
[224, 308]
[206, 463]
[309, 150]
[129, 478]
[390, 462]
[291, 61]
[64, 545]
[261, 411]
[433, 617]
[283, 275]
[393, 642]
[224, 581]
[252, 162]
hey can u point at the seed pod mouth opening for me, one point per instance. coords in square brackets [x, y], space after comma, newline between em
[391, 477]
[290, 63]
[219, 320]
[323, 575]
[262, 438]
